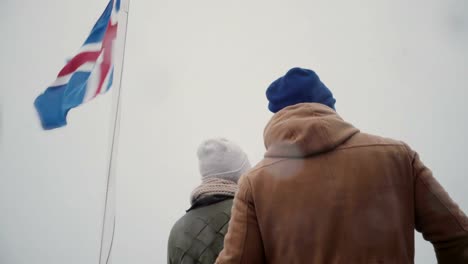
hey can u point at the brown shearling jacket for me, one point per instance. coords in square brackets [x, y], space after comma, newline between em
[327, 193]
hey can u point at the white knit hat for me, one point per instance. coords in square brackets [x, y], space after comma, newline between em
[223, 159]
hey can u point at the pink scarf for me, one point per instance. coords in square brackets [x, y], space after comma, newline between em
[213, 186]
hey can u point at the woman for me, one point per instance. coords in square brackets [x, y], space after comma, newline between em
[198, 236]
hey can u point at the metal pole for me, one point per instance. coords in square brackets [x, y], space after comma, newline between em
[108, 223]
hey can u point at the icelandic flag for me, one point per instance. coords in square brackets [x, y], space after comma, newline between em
[85, 76]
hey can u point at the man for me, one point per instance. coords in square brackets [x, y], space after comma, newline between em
[198, 236]
[328, 193]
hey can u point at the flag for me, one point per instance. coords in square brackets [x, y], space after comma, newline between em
[85, 76]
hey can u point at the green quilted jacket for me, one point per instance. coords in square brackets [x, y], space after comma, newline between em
[198, 237]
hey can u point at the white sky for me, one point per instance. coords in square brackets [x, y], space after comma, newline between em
[198, 69]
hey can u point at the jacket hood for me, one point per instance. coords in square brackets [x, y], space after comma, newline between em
[305, 129]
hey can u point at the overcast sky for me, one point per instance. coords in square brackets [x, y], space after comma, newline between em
[199, 69]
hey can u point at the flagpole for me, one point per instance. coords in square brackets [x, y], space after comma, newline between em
[108, 222]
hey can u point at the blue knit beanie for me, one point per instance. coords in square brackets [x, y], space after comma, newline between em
[298, 86]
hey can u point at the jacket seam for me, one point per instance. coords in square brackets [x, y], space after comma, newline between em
[409, 158]
[265, 166]
[246, 209]
[445, 205]
[252, 191]
[369, 145]
[316, 154]
[201, 254]
[195, 238]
